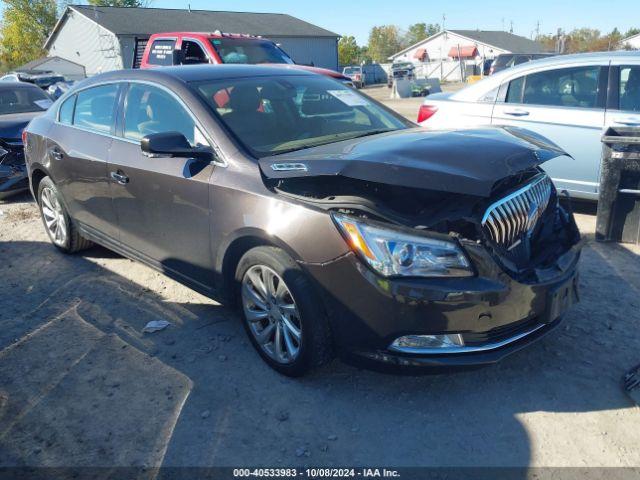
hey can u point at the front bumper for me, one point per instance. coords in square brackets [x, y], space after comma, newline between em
[495, 314]
[13, 171]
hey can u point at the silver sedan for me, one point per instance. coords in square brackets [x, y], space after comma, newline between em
[570, 99]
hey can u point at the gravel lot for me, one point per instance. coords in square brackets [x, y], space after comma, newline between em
[81, 385]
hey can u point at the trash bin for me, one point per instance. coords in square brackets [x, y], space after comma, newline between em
[619, 203]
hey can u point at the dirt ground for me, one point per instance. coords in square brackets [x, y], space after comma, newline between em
[81, 385]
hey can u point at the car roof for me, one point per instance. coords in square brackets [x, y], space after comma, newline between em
[14, 85]
[195, 73]
[477, 89]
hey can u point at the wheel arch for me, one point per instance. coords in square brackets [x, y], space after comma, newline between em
[232, 250]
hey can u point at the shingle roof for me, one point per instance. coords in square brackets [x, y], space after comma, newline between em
[504, 40]
[146, 21]
[39, 61]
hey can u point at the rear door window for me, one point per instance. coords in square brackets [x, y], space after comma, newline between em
[161, 52]
[630, 88]
[192, 53]
[95, 108]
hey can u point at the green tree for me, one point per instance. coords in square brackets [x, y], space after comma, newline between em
[348, 51]
[119, 3]
[420, 31]
[631, 32]
[26, 24]
[384, 41]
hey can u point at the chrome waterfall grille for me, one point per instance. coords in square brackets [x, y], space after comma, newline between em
[512, 219]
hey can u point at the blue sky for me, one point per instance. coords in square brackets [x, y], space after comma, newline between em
[352, 17]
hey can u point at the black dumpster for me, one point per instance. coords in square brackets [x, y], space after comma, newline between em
[619, 203]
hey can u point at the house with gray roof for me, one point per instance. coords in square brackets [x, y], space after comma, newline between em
[466, 45]
[112, 38]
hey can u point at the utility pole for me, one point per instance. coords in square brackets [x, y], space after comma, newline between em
[511, 27]
[537, 30]
[444, 19]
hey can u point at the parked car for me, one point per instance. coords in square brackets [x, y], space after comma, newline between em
[332, 222]
[568, 99]
[19, 103]
[56, 90]
[217, 48]
[508, 60]
[40, 78]
[356, 74]
[400, 70]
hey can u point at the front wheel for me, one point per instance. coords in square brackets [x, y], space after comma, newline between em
[57, 222]
[282, 313]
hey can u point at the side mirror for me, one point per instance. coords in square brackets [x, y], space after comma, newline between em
[173, 144]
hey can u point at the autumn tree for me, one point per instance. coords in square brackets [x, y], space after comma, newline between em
[384, 41]
[26, 24]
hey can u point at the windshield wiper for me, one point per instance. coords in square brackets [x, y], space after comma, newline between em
[336, 138]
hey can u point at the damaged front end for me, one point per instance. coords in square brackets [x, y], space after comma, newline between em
[498, 197]
[13, 171]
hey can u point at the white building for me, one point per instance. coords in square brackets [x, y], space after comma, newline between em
[632, 42]
[473, 47]
[112, 38]
[70, 70]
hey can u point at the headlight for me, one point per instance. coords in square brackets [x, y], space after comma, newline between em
[395, 253]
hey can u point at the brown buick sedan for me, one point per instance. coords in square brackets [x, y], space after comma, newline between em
[335, 225]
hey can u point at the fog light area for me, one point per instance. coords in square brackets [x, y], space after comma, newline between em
[427, 343]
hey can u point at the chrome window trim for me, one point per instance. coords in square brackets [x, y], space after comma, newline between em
[221, 160]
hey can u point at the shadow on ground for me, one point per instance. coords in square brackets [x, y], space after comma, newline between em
[82, 386]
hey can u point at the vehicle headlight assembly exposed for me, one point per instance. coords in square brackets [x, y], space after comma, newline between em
[394, 253]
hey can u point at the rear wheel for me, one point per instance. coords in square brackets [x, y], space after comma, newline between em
[282, 314]
[57, 222]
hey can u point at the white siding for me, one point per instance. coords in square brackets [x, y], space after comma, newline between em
[438, 48]
[633, 42]
[322, 52]
[83, 41]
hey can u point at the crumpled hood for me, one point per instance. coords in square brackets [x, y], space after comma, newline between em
[466, 161]
[11, 126]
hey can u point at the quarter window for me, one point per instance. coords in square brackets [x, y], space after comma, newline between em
[630, 88]
[161, 52]
[65, 115]
[95, 108]
[566, 87]
[152, 110]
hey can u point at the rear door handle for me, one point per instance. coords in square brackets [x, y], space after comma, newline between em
[120, 177]
[517, 112]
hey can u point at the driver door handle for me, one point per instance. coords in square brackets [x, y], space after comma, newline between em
[120, 177]
[517, 112]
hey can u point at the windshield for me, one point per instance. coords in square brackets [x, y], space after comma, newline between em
[277, 114]
[351, 70]
[248, 50]
[21, 100]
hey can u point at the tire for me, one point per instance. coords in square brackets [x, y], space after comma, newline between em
[54, 213]
[315, 346]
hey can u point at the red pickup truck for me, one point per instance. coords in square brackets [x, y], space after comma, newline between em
[188, 48]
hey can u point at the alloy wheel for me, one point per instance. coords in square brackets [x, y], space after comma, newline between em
[54, 217]
[272, 314]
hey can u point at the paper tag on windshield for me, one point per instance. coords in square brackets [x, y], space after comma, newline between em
[46, 103]
[349, 98]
